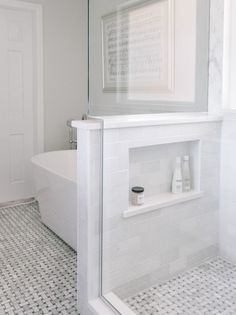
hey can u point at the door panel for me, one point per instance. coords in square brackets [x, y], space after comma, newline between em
[16, 104]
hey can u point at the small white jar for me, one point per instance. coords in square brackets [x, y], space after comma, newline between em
[137, 196]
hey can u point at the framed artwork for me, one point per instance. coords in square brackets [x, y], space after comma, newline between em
[138, 47]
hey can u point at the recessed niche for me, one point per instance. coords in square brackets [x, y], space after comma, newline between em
[152, 167]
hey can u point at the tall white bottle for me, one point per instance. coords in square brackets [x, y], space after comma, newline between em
[177, 182]
[186, 174]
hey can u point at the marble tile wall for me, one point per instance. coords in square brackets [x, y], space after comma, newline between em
[228, 198]
[141, 251]
[228, 155]
[216, 56]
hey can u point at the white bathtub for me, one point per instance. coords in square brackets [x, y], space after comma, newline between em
[55, 182]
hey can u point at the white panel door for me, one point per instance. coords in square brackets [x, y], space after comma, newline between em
[16, 104]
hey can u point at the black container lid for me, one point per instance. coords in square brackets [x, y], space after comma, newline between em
[138, 190]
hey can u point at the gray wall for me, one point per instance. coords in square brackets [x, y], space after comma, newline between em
[65, 68]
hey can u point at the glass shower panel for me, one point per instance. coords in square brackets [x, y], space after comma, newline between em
[151, 56]
[148, 56]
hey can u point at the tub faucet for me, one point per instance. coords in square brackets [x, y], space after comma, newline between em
[72, 135]
[72, 140]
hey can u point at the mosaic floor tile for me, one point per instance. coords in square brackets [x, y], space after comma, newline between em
[38, 276]
[37, 269]
[209, 289]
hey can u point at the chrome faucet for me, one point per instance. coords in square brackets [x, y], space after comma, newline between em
[72, 136]
[72, 140]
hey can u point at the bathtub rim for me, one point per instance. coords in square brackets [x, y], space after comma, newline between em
[35, 162]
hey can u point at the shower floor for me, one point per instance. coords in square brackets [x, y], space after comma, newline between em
[209, 289]
[37, 269]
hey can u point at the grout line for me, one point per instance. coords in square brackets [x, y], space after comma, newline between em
[16, 203]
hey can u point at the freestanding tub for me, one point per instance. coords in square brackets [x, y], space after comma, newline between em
[55, 182]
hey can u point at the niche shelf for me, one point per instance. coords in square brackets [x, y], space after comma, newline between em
[161, 201]
[152, 167]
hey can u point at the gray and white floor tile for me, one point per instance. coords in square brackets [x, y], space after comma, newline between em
[209, 289]
[37, 269]
[38, 276]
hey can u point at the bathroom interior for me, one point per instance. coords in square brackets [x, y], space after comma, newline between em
[118, 144]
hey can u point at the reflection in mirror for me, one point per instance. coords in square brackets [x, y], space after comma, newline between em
[137, 55]
[148, 56]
